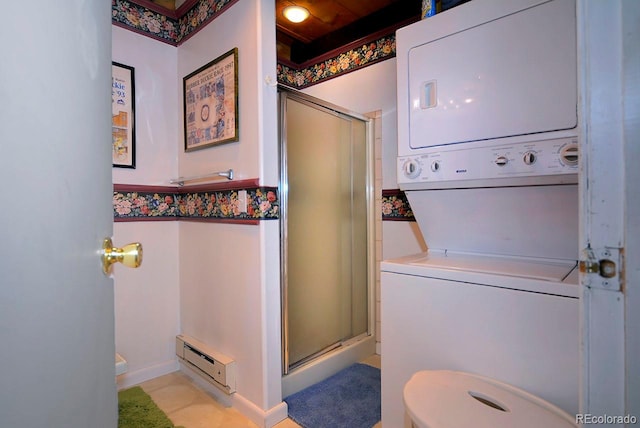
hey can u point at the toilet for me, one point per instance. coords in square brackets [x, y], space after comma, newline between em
[121, 365]
[442, 398]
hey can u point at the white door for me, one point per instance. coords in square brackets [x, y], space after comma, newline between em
[56, 306]
[610, 207]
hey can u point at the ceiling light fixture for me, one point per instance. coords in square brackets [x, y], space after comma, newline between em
[295, 13]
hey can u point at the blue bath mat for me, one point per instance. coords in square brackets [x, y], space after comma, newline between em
[348, 399]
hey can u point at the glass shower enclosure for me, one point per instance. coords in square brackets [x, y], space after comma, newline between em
[326, 220]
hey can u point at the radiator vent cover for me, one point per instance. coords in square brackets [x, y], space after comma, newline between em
[219, 369]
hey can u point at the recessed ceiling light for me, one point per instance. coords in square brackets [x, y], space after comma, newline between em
[295, 13]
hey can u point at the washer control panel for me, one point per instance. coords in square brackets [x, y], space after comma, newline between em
[525, 163]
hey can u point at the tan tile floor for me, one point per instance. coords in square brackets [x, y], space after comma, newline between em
[186, 404]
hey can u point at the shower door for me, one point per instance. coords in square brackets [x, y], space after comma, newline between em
[325, 186]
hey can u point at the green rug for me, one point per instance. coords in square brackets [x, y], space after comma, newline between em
[137, 410]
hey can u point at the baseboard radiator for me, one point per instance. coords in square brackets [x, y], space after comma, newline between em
[219, 369]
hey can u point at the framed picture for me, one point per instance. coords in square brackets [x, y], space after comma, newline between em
[211, 103]
[123, 116]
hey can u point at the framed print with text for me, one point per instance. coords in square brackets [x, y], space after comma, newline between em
[123, 116]
[211, 103]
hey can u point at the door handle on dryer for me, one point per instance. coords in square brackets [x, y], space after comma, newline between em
[429, 94]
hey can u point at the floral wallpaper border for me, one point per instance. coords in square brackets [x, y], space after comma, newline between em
[200, 15]
[367, 54]
[170, 29]
[155, 203]
[175, 30]
[143, 203]
[395, 206]
[145, 21]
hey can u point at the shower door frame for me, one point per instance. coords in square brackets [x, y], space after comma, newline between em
[285, 93]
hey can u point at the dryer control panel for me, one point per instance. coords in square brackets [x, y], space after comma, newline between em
[478, 165]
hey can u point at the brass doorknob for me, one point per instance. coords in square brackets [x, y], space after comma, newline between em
[130, 255]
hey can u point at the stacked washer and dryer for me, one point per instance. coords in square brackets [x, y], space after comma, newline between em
[488, 159]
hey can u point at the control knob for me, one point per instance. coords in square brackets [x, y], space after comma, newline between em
[569, 154]
[530, 158]
[412, 168]
[501, 160]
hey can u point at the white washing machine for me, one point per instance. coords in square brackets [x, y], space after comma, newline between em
[508, 318]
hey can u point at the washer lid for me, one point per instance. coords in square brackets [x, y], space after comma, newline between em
[524, 267]
[439, 399]
[529, 221]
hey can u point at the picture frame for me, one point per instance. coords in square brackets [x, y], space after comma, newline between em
[210, 96]
[123, 116]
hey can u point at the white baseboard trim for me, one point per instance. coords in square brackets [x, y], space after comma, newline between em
[131, 378]
[276, 414]
[262, 418]
[378, 348]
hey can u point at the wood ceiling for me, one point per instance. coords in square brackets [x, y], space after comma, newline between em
[332, 24]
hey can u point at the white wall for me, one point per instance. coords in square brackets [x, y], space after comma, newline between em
[236, 27]
[157, 109]
[220, 295]
[147, 301]
[222, 279]
[147, 298]
[366, 90]
[270, 230]
[229, 273]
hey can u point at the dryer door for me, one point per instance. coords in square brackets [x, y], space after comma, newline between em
[483, 81]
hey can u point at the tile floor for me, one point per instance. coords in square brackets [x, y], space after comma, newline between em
[186, 404]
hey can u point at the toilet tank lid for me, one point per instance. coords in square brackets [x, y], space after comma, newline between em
[442, 398]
